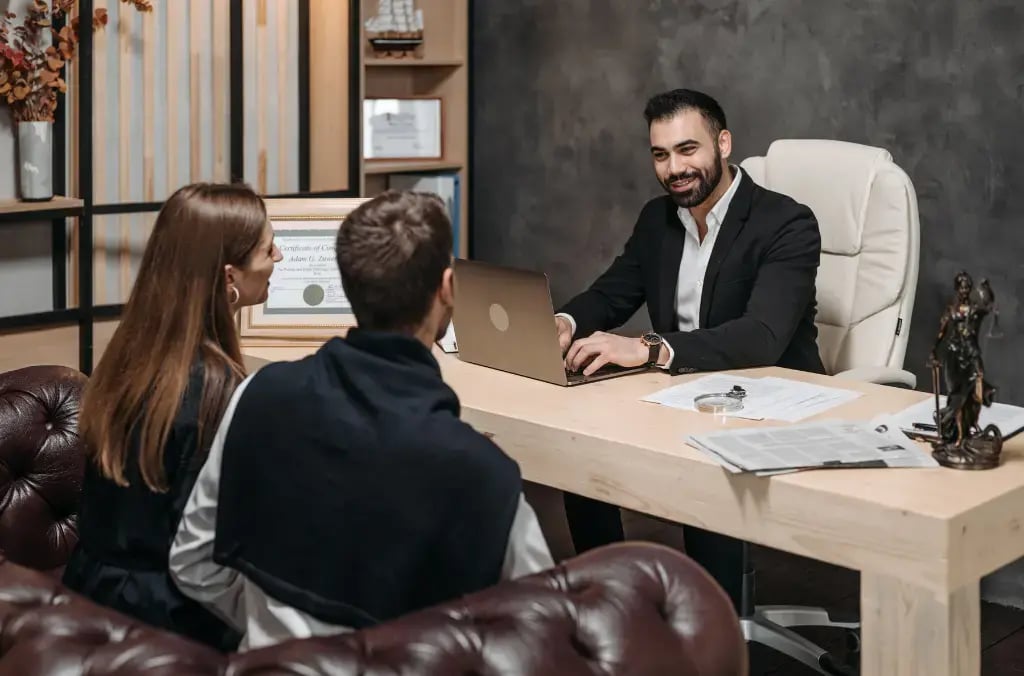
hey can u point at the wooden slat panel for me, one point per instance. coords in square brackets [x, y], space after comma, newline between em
[99, 164]
[124, 144]
[221, 83]
[261, 95]
[148, 94]
[175, 36]
[328, 95]
[195, 130]
[74, 119]
[142, 226]
[74, 186]
[285, 119]
[250, 103]
[270, 56]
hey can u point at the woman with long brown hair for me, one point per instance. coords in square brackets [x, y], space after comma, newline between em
[154, 401]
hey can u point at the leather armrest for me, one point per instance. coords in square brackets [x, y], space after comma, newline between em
[881, 375]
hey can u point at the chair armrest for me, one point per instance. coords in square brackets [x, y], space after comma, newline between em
[881, 375]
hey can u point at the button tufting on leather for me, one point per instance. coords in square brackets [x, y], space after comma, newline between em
[41, 464]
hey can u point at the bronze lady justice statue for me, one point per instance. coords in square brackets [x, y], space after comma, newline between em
[961, 443]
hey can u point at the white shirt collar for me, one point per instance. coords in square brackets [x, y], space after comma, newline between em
[717, 214]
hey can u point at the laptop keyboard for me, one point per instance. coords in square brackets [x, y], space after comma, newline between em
[607, 369]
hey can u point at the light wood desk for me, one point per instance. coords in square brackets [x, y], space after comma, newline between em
[921, 538]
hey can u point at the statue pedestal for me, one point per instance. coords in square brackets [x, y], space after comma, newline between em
[978, 452]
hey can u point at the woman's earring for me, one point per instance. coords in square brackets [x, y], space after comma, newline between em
[237, 296]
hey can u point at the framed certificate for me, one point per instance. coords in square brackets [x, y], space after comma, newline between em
[402, 129]
[305, 301]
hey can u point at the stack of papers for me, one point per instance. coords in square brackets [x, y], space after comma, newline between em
[919, 420]
[823, 445]
[767, 398]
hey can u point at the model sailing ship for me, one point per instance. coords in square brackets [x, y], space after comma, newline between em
[397, 27]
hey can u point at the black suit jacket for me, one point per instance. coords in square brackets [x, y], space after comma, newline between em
[758, 304]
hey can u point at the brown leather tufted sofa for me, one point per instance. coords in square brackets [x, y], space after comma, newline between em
[637, 609]
[41, 465]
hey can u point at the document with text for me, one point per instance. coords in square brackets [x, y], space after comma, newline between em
[919, 419]
[820, 445]
[767, 398]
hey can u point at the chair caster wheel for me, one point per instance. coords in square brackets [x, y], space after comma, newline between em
[833, 666]
[853, 641]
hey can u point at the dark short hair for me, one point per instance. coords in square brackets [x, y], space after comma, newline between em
[666, 105]
[392, 253]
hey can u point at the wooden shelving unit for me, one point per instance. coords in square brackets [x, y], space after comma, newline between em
[388, 167]
[438, 68]
[58, 203]
[374, 62]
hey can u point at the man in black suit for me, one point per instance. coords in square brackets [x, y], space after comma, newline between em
[727, 269]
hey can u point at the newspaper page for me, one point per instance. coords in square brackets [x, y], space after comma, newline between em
[831, 444]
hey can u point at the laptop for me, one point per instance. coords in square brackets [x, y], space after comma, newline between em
[504, 319]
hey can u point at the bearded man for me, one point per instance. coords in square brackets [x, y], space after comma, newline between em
[727, 270]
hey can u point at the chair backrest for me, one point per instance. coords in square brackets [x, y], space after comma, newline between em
[866, 208]
[43, 464]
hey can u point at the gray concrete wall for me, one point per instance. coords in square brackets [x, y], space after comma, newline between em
[561, 160]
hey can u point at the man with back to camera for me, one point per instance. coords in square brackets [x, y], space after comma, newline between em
[343, 490]
[727, 269]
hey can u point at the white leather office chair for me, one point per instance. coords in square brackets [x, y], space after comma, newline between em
[866, 208]
[870, 240]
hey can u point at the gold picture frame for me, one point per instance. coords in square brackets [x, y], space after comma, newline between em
[305, 303]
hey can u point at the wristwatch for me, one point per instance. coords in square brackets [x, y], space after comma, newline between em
[653, 342]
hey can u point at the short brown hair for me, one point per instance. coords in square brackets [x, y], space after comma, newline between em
[392, 253]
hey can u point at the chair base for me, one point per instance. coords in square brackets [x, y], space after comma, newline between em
[804, 616]
[769, 626]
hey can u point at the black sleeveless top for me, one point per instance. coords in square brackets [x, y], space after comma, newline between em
[126, 533]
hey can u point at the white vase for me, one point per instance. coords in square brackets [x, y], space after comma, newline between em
[35, 161]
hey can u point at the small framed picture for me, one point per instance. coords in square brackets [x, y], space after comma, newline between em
[402, 129]
[305, 301]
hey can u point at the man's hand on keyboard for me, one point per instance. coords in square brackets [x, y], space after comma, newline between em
[605, 348]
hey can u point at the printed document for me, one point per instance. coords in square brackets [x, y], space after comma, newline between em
[919, 419]
[827, 444]
[767, 398]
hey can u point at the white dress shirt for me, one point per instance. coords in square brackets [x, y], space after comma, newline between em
[261, 619]
[694, 263]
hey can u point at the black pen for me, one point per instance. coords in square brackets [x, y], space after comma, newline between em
[925, 426]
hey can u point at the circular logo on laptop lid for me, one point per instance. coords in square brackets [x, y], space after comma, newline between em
[499, 317]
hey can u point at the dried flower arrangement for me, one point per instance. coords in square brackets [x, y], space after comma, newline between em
[31, 66]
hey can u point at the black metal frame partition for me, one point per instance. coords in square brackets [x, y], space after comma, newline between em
[87, 313]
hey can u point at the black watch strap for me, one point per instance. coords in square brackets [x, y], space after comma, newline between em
[653, 352]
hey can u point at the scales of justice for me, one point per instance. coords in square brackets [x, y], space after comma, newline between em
[961, 443]
[396, 29]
